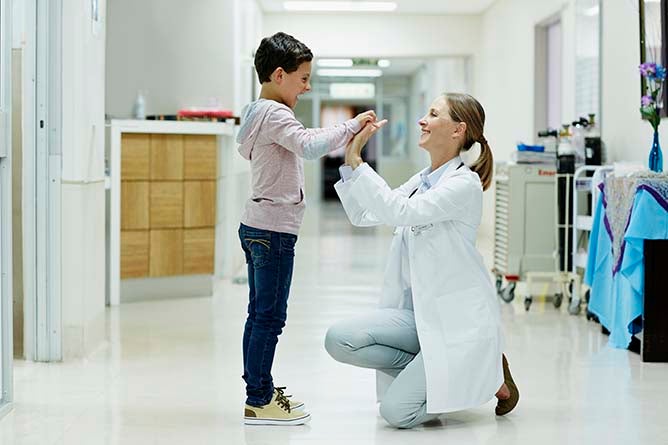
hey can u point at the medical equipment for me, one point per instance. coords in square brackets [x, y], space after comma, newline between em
[525, 223]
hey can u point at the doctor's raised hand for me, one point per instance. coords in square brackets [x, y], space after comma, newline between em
[353, 156]
[436, 338]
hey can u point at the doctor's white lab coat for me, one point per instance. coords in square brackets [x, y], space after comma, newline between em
[454, 301]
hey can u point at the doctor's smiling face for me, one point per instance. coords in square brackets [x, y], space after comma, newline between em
[439, 132]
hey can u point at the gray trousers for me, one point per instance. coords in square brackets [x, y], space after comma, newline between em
[386, 339]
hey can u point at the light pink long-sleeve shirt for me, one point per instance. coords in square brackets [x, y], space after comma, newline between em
[276, 144]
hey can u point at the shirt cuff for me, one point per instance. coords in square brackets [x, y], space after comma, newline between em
[348, 174]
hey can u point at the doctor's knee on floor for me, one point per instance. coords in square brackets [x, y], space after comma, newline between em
[396, 415]
[341, 342]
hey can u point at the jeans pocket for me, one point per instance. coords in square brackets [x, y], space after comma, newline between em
[260, 249]
[288, 242]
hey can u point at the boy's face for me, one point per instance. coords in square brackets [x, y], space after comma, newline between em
[294, 84]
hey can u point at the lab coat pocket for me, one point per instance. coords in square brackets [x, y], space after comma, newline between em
[465, 315]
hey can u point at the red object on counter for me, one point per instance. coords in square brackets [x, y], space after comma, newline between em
[205, 113]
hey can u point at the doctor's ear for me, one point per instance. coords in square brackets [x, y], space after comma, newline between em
[460, 130]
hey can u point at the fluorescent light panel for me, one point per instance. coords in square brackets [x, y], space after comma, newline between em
[335, 63]
[340, 6]
[326, 72]
[352, 90]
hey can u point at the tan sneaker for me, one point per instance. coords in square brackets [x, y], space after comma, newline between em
[276, 412]
[294, 404]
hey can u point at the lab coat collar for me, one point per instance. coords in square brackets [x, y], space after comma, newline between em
[430, 178]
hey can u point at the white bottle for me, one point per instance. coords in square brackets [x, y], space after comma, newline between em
[140, 106]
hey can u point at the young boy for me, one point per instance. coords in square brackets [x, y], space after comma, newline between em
[276, 144]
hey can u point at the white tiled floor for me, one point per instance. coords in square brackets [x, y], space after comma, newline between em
[170, 373]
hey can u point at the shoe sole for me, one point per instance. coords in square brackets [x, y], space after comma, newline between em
[260, 421]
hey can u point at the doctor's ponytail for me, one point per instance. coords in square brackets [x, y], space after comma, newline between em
[465, 108]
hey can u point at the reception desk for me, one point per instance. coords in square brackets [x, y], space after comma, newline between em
[176, 191]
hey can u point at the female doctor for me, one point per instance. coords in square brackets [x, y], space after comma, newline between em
[436, 339]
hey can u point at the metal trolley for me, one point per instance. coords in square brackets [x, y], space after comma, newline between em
[585, 179]
[524, 241]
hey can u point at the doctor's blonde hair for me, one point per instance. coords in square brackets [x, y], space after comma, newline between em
[465, 108]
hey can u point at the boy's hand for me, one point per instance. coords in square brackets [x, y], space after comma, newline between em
[366, 117]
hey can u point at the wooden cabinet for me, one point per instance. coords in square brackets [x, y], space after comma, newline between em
[168, 204]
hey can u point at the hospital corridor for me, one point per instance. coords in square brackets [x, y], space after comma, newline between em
[168, 374]
[366, 222]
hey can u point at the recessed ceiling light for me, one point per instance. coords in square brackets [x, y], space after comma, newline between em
[335, 63]
[349, 73]
[384, 63]
[334, 6]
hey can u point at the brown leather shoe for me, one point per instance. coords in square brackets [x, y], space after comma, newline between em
[503, 407]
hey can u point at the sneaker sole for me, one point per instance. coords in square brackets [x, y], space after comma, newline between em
[260, 421]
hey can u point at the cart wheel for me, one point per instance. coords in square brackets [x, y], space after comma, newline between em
[558, 298]
[527, 303]
[508, 293]
[499, 283]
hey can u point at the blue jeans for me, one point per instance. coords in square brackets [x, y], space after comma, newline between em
[270, 258]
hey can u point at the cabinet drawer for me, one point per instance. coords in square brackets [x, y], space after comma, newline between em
[166, 256]
[166, 205]
[199, 156]
[134, 205]
[200, 204]
[135, 156]
[167, 157]
[198, 251]
[134, 253]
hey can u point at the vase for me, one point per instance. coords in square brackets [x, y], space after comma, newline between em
[655, 155]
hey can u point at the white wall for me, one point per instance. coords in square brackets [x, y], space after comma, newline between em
[626, 135]
[505, 67]
[83, 194]
[181, 53]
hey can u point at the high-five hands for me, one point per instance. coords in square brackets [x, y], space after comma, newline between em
[354, 148]
[366, 117]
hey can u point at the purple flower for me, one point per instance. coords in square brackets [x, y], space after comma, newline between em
[648, 69]
[647, 101]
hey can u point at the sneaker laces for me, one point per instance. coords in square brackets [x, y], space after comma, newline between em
[281, 400]
[281, 390]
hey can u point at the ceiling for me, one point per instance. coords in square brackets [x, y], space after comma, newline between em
[426, 7]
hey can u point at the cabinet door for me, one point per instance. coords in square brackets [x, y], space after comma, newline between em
[134, 205]
[134, 253]
[135, 156]
[166, 257]
[198, 251]
[200, 156]
[166, 205]
[167, 157]
[200, 204]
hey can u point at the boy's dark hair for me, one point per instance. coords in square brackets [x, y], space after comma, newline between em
[280, 50]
